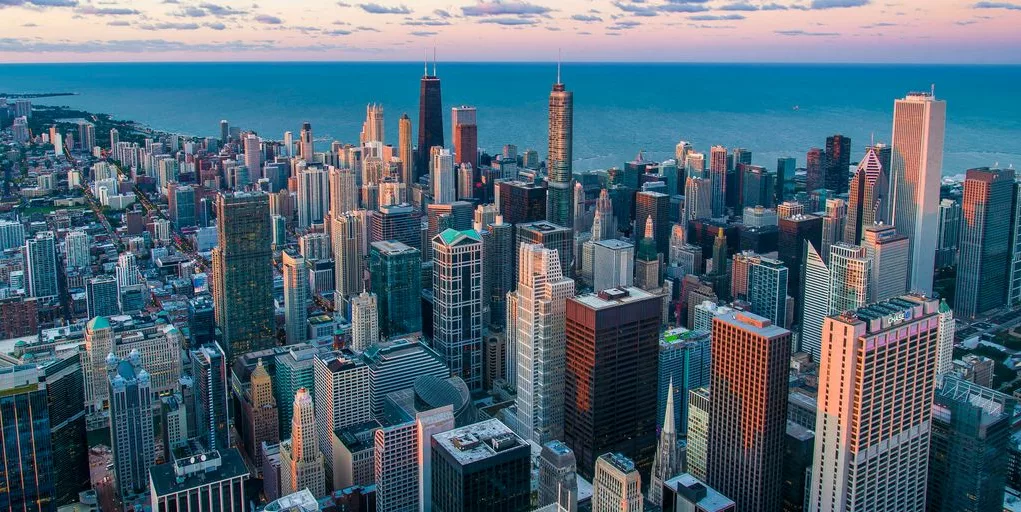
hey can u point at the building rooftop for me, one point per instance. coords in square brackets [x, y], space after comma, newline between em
[798, 432]
[752, 323]
[478, 441]
[613, 297]
[682, 335]
[619, 461]
[196, 471]
[301, 501]
[614, 243]
[705, 497]
[393, 247]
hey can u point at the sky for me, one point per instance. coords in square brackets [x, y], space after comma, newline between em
[880, 31]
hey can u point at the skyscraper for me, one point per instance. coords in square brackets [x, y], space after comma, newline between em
[28, 464]
[850, 277]
[748, 409]
[313, 196]
[560, 160]
[654, 205]
[210, 380]
[343, 191]
[985, 242]
[499, 267]
[444, 183]
[667, 462]
[919, 121]
[684, 364]
[617, 485]
[796, 232]
[430, 118]
[767, 289]
[465, 135]
[698, 199]
[889, 254]
[306, 144]
[396, 469]
[101, 296]
[131, 427]
[302, 460]
[539, 308]
[815, 169]
[867, 201]
[815, 303]
[396, 273]
[348, 237]
[296, 297]
[1014, 274]
[838, 160]
[243, 273]
[873, 423]
[718, 179]
[253, 157]
[364, 321]
[785, 169]
[969, 447]
[480, 467]
[614, 332]
[698, 432]
[260, 412]
[372, 128]
[558, 476]
[342, 399]
[41, 263]
[457, 303]
[405, 151]
[833, 223]
[949, 231]
[551, 236]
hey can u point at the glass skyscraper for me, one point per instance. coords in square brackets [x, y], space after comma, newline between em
[26, 467]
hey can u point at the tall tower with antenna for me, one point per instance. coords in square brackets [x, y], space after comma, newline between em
[561, 137]
[430, 118]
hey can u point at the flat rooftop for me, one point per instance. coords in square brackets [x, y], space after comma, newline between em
[478, 441]
[613, 297]
[752, 323]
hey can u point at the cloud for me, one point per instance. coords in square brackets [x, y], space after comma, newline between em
[503, 8]
[337, 32]
[965, 23]
[268, 20]
[38, 3]
[216, 25]
[29, 25]
[794, 33]
[587, 18]
[837, 4]
[106, 11]
[382, 9]
[367, 29]
[716, 17]
[774, 7]
[638, 8]
[118, 23]
[441, 13]
[510, 22]
[740, 6]
[168, 25]
[191, 12]
[220, 10]
[426, 23]
[880, 24]
[136, 46]
[423, 33]
[624, 25]
[683, 7]
[343, 4]
[997, 5]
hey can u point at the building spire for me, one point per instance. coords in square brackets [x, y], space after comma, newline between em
[668, 418]
[425, 63]
[559, 57]
[434, 61]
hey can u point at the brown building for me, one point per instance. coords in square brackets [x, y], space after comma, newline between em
[611, 377]
[18, 317]
[260, 411]
[748, 409]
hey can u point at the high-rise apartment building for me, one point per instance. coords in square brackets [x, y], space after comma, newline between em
[313, 196]
[551, 236]
[480, 467]
[561, 132]
[718, 179]
[833, 222]
[396, 457]
[815, 169]
[850, 277]
[343, 191]
[767, 289]
[243, 273]
[535, 322]
[364, 321]
[41, 263]
[874, 418]
[210, 391]
[919, 121]
[101, 296]
[521, 201]
[614, 332]
[697, 455]
[342, 398]
[457, 303]
[617, 485]
[405, 150]
[301, 461]
[985, 242]
[348, 236]
[296, 297]
[868, 197]
[131, 428]
[748, 409]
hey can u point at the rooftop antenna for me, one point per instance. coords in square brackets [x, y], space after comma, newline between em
[434, 61]
[558, 65]
[425, 63]
[932, 91]
[873, 143]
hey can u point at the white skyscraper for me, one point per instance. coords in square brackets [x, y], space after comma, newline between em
[444, 182]
[300, 459]
[540, 309]
[343, 191]
[888, 251]
[874, 419]
[313, 196]
[372, 128]
[296, 296]
[343, 398]
[41, 263]
[919, 121]
[348, 236]
[76, 246]
[288, 144]
[815, 306]
[613, 264]
[945, 344]
[253, 157]
[850, 276]
[364, 321]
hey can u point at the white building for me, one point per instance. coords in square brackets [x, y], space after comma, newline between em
[364, 321]
[343, 398]
[444, 182]
[76, 247]
[613, 264]
[296, 297]
[888, 251]
[313, 196]
[301, 462]
[616, 486]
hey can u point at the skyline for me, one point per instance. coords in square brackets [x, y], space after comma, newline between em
[816, 31]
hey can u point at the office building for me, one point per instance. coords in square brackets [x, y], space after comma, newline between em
[343, 191]
[313, 196]
[372, 128]
[536, 328]
[850, 277]
[101, 296]
[131, 426]
[868, 198]
[560, 157]
[617, 485]
[521, 201]
[796, 232]
[684, 364]
[697, 199]
[301, 461]
[748, 409]
[551, 236]
[41, 263]
[157, 345]
[558, 476]
[919, 121]
[767, 289]
[243, 273]
[1014, 274]
[405, 150]
[364, 321]
[396, 456]
[342, 397]
[348, 237]
[833, 224]
[480, 467]
[296, 296]
[443, 176]
[686, 493]
[815, 168]
[969, 447]
[985, 242]
[697, 454]
[718, 179]
[213, 481]
[397, 365]
[210, 390]
[395, 270]
[815, 305]
[430, 119]
[498, 244]
[261, 415]
[457, 303]
[874, 419]
[613, 264]
[837, 162]
[799, 444]
[614, 332]
[949, 232]
[465, 135]
[306, 143]
[888, 251]
[397, 222]
[295, 369]
[654, 205]
[29, 455]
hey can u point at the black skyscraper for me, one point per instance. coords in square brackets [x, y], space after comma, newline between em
[430, 120]
[838, 160]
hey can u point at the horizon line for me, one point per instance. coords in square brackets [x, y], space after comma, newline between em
[520, 62]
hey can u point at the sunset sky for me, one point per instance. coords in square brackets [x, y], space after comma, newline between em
[899, 31]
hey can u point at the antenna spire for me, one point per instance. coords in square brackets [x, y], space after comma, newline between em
[559, 58]
[873, 143]
[434, 61]
[425, 63]
[933, 91]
